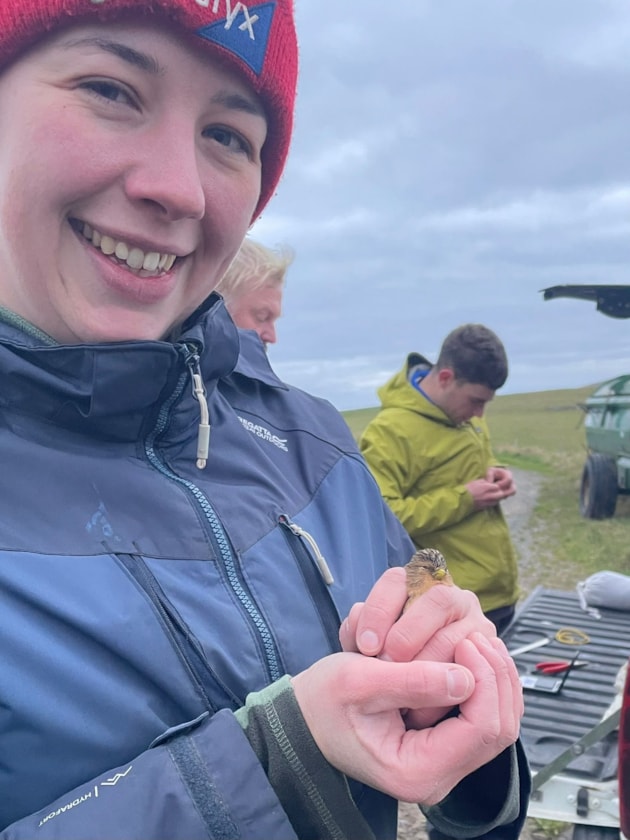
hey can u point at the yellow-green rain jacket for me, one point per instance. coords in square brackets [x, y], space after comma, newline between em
[422, 462]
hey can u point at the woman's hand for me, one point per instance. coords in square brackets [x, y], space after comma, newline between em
[430, 630]
[358, 707]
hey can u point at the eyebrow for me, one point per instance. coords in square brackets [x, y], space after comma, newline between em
[238, 102]
[228, 99]
[137, 59]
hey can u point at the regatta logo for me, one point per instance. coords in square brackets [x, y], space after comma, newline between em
[264, 434]
[91, 794]
[242, 30]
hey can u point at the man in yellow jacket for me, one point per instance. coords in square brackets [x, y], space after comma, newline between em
[429, 450]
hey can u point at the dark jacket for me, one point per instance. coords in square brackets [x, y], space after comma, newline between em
[142, 597]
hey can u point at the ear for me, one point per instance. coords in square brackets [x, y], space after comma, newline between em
[446, 377]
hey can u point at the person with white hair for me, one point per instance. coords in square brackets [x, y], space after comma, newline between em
[252, 288]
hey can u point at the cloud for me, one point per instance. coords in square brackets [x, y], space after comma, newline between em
[450, 160]
[285, 228]
[596, 213]
[330, 162]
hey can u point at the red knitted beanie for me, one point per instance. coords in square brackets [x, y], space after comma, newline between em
[256, 39]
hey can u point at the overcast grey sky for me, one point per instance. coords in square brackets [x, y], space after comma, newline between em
[451, 158]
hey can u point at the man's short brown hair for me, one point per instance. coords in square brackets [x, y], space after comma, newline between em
[475, 354]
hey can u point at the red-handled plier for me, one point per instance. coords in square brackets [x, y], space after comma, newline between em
[558, 666]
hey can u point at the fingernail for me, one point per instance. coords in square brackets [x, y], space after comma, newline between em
[369, 642]
[458, 683]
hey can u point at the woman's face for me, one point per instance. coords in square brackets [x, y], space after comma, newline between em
[129, 172]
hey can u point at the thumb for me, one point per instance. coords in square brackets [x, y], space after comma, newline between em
[414, 685]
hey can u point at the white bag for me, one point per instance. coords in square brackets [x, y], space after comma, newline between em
[604, 589]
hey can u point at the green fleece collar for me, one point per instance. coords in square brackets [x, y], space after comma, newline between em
[15, 320]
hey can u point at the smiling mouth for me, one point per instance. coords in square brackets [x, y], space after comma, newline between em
[142, 263]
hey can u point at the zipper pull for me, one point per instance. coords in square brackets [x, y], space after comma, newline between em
[322, 565]
[199, 392]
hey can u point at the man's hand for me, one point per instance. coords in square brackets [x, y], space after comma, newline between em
[354, 707]
[487, 492]
[503, 478]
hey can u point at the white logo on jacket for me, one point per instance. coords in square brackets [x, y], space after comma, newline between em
[264, 434]
[84, 796]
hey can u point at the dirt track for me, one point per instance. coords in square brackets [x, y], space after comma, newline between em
[518, 511]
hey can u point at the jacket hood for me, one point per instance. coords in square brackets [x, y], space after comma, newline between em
[110, 388]
[398, 392]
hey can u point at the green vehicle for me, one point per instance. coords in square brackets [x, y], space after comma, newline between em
[606, 473]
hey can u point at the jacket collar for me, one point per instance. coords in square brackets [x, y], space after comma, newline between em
[112, 388]
[253, 361]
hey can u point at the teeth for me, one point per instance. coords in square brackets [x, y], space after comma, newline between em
[121, 251]
[108, 246]
[151, 261]
[134, 257]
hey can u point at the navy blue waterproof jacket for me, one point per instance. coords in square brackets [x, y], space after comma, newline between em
[141, 596]
[139, 593]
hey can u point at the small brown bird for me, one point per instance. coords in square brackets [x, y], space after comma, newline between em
[426, 568]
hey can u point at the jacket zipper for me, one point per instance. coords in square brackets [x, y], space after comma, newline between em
[199, 393]
[186, 646]
[317, 577]
[219, 539]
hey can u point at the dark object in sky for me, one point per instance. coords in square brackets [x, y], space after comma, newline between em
[611, 300]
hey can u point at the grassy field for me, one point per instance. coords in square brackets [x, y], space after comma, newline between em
[543, 431]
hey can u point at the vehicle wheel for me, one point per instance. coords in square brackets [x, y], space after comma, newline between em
[595, 832]
[598, 489]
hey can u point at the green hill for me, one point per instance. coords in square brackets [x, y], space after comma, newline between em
[541, 425]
